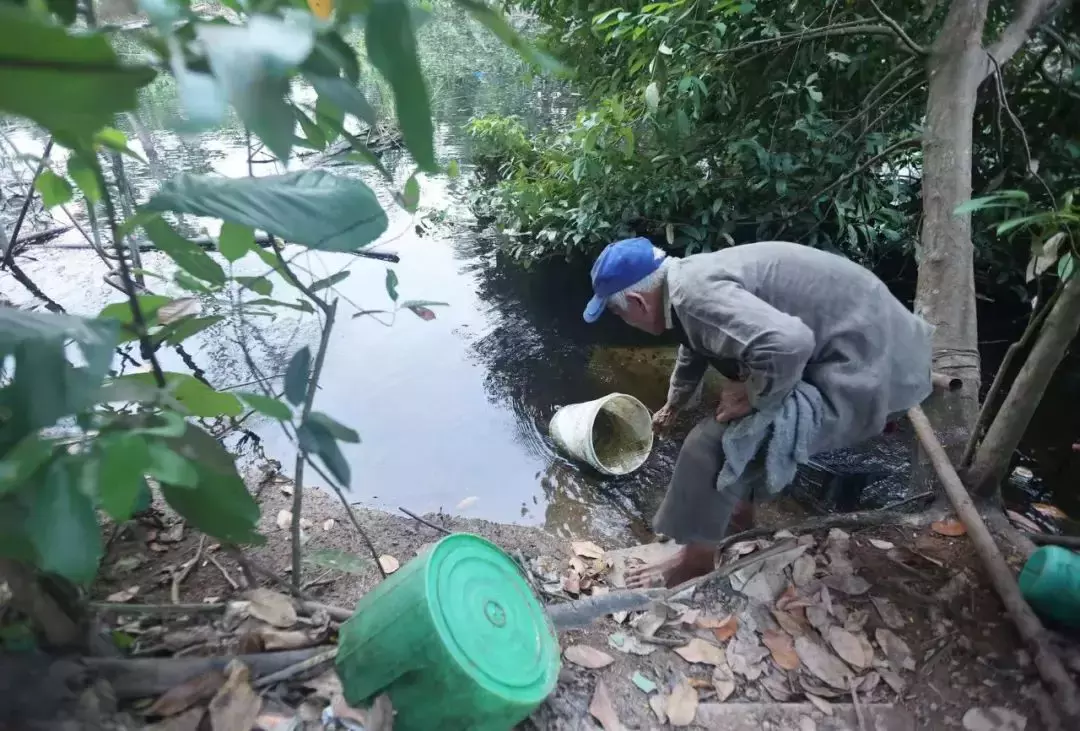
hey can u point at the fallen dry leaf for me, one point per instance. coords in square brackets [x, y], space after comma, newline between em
[822, 663]
[790, 623]
[724, 628]
[776, 685]
[236, 705]
[870, 682]
[811, 685]
[690, 617]
[698, 650]
[888, 612]
[177, 309]
[883, 545]
[189, 720]
[682, 704]
[723, 681]
[271, 607]
[588, 549]
[571, 583]
[993, 718]
[658, 704]
[893, 680]
[856, 620]
[950, 527]
[189, 693]
[747, 657]
[603, 710]
[895, 649]
[1050, 511]
[1023, 522]
[849, 584]
[818, 617]
[802, 571]
[649, 622]
[820, 703]
[848, 647]
[789, 595]
[124, 595]
[782, 648]
[284, 519]
[328, 524]
[588, 657]
[389, 563]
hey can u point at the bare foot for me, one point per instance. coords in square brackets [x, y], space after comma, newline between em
[690, 562]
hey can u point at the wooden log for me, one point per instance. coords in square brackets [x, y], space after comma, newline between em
[1050, 539]
[1047, 662]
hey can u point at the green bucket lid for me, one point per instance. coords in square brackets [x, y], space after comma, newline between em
[490, 621]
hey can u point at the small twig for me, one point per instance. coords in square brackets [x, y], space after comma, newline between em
[178, 577]
[428, 523]
[120, 608]
[359, 528]
[936, 655]
[920, 575]
[900, 33]
[26, 204]
[857, 705]
[274, 578]
[661, 641]
[297, 669]
[245, 566]
[232, 582]
[322, 579]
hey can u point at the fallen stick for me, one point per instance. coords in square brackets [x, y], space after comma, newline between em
[1049, 539]
[232, 582]
[121, 608]
[144, 677]
[339, 614]
[428, 523]
[1047, 662]
[178, 578]
[582, 612]
[296, 669]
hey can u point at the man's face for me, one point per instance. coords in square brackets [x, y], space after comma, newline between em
[640, 312]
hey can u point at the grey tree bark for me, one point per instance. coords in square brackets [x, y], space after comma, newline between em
[945, 292]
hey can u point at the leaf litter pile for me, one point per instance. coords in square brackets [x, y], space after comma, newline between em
[802, 628]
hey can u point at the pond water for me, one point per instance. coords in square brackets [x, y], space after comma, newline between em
[452, 412]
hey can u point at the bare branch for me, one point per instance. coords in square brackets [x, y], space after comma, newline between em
[811, 34]
[900, 33]
[26, 204]
[1062, 42]
[1016, 33]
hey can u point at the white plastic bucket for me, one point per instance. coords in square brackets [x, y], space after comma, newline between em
[613, 434]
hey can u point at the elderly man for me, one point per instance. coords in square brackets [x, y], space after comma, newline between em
[816, 355]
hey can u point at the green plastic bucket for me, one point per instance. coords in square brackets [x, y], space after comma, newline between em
[1050, 581]
[456, 638]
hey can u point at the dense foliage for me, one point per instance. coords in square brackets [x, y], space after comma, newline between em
[75, 437]
[709, 122]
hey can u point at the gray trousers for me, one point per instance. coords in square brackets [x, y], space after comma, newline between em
[693, 510]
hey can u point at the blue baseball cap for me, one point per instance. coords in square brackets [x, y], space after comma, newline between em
[620, 265]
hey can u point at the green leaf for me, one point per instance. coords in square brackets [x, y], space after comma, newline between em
[265, 405]
[180, 331]
[82, 172]
[149, 304]
[188, 256]
[296, 375]
[22, 461]
[330, 281]
[66, 10]
[235, 240]
[191, 284]
[170, 468]
[333, 55]
[219, 504]
[329, 558]
[299, 305]
[114, 139]
[73, 85]
[253, 62]
[124, 460]
[63, 526]
[46, 385]
[391, 284]
[345, 96]
[335, 428]
[330, 119]
[259, 285]
[497, 23]
[310, 207]
[1065, 267]
[391, 46]
[315, 439]
[814, 94]
[453, 169]
[194, 395]
[410, 197]
[54, 189]
[312, 133]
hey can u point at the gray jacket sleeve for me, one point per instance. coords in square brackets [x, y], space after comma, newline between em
[685, 376]
[732, 323]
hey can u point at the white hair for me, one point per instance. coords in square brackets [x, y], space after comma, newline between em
[650, 283]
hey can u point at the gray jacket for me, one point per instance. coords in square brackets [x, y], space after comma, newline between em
[785, 312]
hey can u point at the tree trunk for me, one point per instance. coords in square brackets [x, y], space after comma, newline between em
[945, 293]
[1007, 429]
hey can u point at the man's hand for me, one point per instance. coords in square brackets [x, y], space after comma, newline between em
[664, 419]
[734, 402]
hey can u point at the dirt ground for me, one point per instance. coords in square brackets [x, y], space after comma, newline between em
[933, 648]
